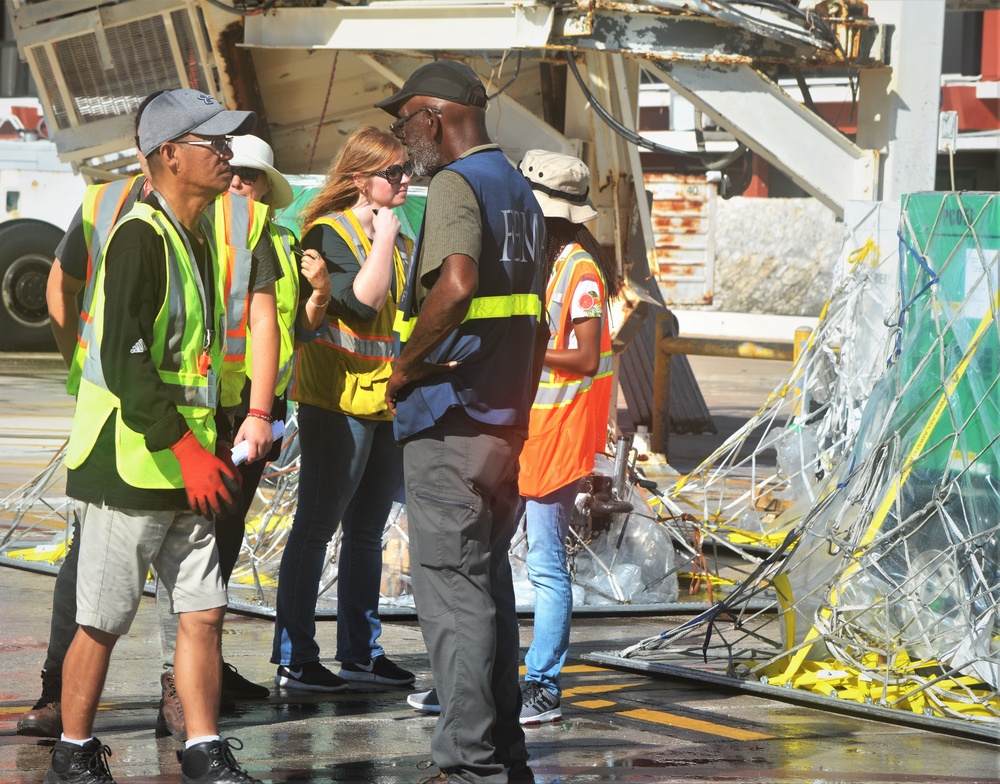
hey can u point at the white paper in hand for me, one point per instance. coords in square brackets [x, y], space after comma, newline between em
[240, 451]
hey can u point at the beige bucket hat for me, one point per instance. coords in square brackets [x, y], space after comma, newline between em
[561, 184]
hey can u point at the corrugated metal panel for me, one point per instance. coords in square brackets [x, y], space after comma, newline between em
[683, 215]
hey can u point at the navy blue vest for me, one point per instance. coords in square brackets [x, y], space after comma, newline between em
[494, 345]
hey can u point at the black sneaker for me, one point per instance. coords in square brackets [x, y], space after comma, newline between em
[86, 764]
[538, 704]
[311, 676]
[377, 670]
[236, 687]
[44, 720]
[425, 701]
[213, 761]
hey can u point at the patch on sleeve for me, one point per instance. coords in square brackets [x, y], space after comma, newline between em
[138, 348]
[589, 302]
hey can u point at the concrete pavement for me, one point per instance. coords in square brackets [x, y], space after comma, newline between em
[617, 726]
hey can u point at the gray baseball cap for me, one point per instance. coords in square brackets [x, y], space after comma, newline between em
[177, 113]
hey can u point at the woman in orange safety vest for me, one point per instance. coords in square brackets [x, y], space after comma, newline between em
[569, 416]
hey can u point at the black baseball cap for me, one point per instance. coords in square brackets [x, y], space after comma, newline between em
[449, 80]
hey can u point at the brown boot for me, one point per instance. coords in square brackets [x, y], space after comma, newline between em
[44, 720]
[170, 720]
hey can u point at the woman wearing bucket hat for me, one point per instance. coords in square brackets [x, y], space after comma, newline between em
[351, 467]
[569, 417]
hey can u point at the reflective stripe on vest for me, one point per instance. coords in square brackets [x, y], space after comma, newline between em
[238, 224]
[286, 291]
[178, 344]
[559, 389]
[336, 333]
[482, 308]
[102, 207]
[231, 219]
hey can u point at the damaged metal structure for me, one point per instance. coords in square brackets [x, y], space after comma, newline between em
[562, 74]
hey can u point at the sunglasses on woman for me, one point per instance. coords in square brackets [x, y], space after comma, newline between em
[247, 175]
[394, 174]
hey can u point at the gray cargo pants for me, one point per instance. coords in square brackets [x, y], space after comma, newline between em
[461, 499]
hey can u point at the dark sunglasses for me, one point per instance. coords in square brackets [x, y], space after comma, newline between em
[397, 128]
[394, 174]
[222, 145]
[247, 175]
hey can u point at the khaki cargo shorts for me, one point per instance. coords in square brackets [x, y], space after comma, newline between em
[117, 548]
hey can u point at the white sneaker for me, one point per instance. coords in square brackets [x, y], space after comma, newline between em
[425, 701]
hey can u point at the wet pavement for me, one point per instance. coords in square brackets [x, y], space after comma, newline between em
[617, 726]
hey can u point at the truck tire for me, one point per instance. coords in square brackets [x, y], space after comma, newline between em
[27, 248]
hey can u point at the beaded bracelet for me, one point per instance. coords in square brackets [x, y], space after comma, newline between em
[323, 306]
[257, 413]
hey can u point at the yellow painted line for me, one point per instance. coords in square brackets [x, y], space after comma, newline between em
[706, 727]
[17, 710]
[604, 688]
[573, 668]
[594, 704]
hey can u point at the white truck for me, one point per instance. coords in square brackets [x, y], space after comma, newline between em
[39, 194]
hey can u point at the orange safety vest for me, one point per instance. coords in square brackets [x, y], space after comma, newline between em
[569, 417]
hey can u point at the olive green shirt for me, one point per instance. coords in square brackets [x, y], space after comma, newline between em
[452, 224]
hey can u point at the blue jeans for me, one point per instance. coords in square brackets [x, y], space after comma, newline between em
[350, 472]
[548, 520]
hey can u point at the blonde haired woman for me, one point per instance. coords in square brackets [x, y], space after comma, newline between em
[351, 467]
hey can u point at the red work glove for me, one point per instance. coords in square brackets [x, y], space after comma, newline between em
[211, 483]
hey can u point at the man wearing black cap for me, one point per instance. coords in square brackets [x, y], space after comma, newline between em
[468, 331]
[142, 453]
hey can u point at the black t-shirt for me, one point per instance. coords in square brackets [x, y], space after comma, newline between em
[344, 268]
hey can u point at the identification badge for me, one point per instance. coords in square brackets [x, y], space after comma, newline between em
[213, 389]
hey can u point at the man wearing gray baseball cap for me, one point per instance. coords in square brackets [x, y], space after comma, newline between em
[143, 454]
[177, 113]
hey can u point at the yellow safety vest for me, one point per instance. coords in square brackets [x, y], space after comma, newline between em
[347, 367]
[178, 345]
[287, 294]
[102, 206]
[239, 223]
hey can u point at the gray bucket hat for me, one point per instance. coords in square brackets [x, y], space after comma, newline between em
[178, 112]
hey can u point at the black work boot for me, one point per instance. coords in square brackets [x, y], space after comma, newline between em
[213, 761]
[44, 720]
[86, 764]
